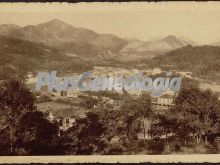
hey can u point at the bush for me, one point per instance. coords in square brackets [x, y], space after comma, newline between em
[155, 146]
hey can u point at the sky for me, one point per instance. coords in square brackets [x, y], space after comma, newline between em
[198, 21]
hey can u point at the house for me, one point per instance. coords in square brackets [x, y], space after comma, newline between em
[170, 92]
[73, 93]
[56, 93]
[66, 123]
[162, 103]
[156, 71]
[185, 74]
[63, 123]
[31, 79]
[147, 72]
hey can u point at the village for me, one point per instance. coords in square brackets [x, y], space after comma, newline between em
[64, 107]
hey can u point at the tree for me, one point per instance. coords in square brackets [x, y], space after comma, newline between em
[197, 111]
[37, 135]
[188, 83]
[133, 114]
[89, 102]
[125, 117]
[15, 101]
[86, 136]
[193, 115]
[107, 123]
[109, 115]
[4, 142]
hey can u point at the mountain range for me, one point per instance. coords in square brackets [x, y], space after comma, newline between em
[81, 41]
[61, 46]
[56, 33]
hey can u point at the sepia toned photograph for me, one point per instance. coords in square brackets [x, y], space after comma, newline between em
[110, 79]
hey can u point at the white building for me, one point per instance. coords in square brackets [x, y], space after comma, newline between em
[73, 93]
[156, 71]
[151, 71]
[185, 74]
[66, 123]
[31, 79]
[162, 103]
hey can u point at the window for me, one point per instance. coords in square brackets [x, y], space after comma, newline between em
[67, 121]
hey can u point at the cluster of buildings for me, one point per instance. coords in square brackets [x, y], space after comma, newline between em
[110, 72]
[114, 72]
[159, 104]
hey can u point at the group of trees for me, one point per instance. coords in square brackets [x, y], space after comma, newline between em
[193, 118]
[23, 129]
[108, 126]
[111, 126]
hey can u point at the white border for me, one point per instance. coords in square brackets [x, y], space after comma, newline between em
[212, 158]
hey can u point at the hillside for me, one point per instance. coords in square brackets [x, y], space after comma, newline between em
[159, 45]
[17, 57]
[203, 61]
[140, 50]
[216, 43]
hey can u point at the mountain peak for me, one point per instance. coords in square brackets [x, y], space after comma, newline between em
[180, 39]
[56, 21]
[175, 41]
[170, 38]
